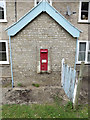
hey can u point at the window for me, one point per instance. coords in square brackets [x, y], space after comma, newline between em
[4, 52]
[89, 52]
[84, 11]
[37, 1]
[83, 52]
[2, 11]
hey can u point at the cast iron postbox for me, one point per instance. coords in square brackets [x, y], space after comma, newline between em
[44, 59]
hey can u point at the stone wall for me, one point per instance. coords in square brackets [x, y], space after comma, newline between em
[51, 34]
[74, 18]
[22, 8]
[46, 33]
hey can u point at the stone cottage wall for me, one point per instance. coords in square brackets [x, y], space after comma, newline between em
[5, 69]
[23, 6]
[46, 33]
[74, 19]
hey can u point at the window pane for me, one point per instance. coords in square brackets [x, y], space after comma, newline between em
[84, 10]
[2, 46]
[89, 56]
[89, 46]
[85, 6]
[84, 15]
[2, 4]
[1, 14]
[81, 56]
[82, 46]
[1, 10]
[3, 57]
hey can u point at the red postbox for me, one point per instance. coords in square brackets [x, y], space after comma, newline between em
[44, 59]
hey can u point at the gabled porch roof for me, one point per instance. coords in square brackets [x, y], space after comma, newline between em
[51, 11]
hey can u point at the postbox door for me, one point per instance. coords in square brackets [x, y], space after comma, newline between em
[44, 59]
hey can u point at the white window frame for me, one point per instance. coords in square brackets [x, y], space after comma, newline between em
[83, 21]
[4, 20]
[86, 54]
[35, 2]
[5, 62]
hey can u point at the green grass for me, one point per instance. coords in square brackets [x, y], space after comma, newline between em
[20, 85]
[44, 111]
[36, 85]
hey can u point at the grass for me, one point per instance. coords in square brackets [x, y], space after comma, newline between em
[44, 111]
[35, 85]
[20, 85]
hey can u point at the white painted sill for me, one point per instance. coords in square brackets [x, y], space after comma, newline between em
[78, 63]
[3, 21]
[4, 63]
[83, 21]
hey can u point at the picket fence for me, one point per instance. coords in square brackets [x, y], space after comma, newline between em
[69, 81]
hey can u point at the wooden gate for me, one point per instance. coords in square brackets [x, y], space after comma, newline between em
[68, 79]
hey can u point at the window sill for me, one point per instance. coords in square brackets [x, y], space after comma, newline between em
[4, 63]
[3, 20]
[83, 21]
[78, 63]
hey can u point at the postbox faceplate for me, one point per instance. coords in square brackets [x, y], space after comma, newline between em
[44, 59]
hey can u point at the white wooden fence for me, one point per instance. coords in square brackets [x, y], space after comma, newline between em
[69, 81]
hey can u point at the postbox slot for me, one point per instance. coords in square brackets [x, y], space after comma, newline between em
[44, 51]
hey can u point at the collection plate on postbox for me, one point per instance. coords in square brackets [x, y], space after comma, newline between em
[44, 59]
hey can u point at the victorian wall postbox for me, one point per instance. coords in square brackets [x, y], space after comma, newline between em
[43, 59]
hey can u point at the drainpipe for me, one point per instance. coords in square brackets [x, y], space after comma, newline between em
[76, 53]
[11, 61]
[15, 10]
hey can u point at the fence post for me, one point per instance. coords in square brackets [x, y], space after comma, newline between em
[78, 87]
[62, 72]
